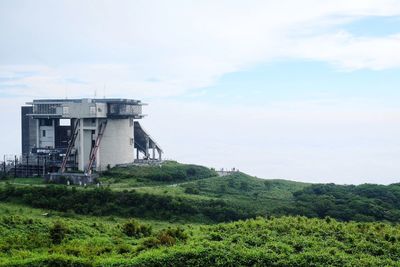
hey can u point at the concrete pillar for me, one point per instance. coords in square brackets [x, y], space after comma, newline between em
[53, 124]
[154, 152]
[147, 147]
[37, 133]
[98, 165]
[81, 146]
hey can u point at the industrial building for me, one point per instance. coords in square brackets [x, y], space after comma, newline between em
[86, 134]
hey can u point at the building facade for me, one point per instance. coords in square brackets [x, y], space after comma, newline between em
[87, 134]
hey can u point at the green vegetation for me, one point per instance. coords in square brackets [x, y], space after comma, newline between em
[29, 239]
[365, 202]
[169, 172]
[170, 215]
[260, 196]
[101, 202]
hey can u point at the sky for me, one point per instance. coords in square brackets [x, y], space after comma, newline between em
[306, 90]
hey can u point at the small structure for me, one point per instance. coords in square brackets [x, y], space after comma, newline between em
[86, 134]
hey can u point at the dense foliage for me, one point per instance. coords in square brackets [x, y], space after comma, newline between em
[26, 240]
[172, 194]
[168, 172]
[367, 202]
[103, 201]
[258, 195]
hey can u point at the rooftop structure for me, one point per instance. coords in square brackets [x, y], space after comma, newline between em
[87, 134]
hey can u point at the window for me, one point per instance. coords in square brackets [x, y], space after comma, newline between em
[130, 122]
[46, 122]
[92, 111]
[131, 141]
[65, 122]
[65, 110]
[44, 133]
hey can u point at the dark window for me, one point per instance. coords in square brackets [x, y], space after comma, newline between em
[44, 133]
[46, 122]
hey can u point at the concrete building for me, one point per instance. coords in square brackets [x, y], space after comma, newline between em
[87, 134]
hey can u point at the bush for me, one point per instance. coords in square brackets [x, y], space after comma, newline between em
[192, 190]
[133, 228]
[58, 232]
[101, 202]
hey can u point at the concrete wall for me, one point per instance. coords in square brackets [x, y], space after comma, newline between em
[28, 130]
[48, 140]
[117, 146]
[85, 109]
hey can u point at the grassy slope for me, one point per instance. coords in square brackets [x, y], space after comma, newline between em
[262, 195]
[172, 179]
[286, 241]
[181, 184]
[170, 172]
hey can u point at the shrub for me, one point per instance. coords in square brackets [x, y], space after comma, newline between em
[169, 236]
[192, 190]
[133, 228]
[58, 232]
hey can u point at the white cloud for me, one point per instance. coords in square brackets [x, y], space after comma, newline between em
[350, 53]
[165, 48]
[347, 142]
[142, 49]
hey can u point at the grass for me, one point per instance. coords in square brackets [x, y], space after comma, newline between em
[27, 239]
[24, 181]
[28, 234]
[167, 173]
[261, 195]
[192, 182]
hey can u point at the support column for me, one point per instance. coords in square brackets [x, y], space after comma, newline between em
[98, 166]
[53, 124]
[154, 152]
[147, 147]
[81, 147]
[37, 133]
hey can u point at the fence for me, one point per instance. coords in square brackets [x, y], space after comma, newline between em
[27, 165]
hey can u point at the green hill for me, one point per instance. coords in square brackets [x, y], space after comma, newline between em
[186, 192]
[178, 210]
[169, 172]
[31, 237]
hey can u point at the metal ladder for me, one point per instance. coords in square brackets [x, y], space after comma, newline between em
[95, 148]
[70, 146]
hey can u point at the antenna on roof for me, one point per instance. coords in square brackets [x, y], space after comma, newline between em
[95, 93]
[104, 90]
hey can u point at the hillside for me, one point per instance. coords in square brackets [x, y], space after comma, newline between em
[178, 215]
[32, 237]
[186, 192]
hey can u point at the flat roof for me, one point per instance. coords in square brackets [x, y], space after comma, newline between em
[93, 100]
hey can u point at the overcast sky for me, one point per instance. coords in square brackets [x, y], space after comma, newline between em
[305, 90]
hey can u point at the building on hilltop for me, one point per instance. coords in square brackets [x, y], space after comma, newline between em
[86, 134]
